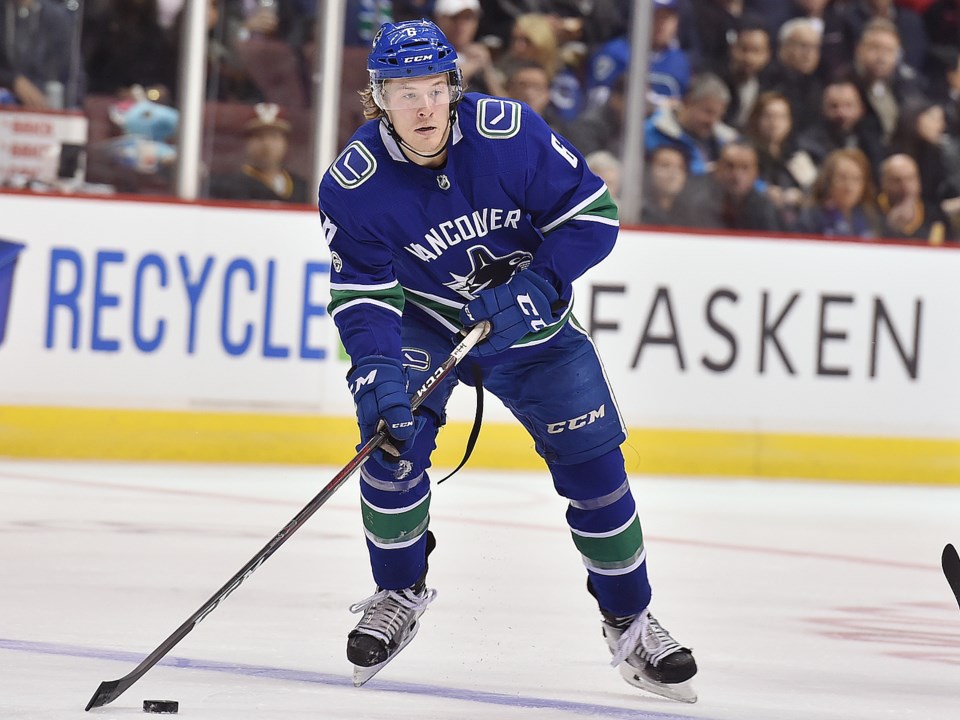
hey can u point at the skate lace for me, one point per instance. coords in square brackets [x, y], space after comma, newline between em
[385, 612]
[647, 638]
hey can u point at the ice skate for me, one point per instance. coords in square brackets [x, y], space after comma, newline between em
[390, 621]
[648, 658]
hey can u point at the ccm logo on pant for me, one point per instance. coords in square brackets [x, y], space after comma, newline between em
[577, 422]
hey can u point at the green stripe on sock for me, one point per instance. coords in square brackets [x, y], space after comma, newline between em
[618, 550]
[396, 526]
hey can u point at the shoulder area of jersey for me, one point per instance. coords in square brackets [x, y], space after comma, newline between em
[494, 118]
[357, 162]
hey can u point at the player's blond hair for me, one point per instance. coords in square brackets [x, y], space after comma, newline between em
[371, 111]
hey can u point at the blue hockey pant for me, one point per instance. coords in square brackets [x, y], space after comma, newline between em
[560, 394]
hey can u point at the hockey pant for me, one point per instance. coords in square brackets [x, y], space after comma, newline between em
[560, 394]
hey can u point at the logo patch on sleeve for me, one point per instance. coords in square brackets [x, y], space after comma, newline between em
[498, 119]
[354, 166]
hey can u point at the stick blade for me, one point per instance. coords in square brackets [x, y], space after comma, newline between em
[108, 691]
[950, 561]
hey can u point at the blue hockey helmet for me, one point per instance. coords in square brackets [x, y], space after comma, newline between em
[410, 49]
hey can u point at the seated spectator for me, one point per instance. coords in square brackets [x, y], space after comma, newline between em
[695, 124]
[843, 199]
[728, 197]
[883, 80]
[909, 26]
[664, 204]
[687, 35]
[608, 168]
[268, 37]
[787, 171]
[35, 67]
[747, 71]
[601, 128]
[263, 176]
[921, 134]
[533, 39]
[841, 125]
[827, 15]
[905, 212]
[669, 72]
[530, 83]
[123, 45]
[226, 78]
[794, 73]
[717, 23]
[592, 24]
[459, 20]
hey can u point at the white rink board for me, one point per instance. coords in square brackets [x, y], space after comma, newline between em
[151, 258]
[842, 373]
[98, 277]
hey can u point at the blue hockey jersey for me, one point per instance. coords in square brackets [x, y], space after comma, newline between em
[512, 195]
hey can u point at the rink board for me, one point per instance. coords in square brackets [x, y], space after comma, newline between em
[198, 332]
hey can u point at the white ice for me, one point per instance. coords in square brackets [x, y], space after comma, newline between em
[801, 600]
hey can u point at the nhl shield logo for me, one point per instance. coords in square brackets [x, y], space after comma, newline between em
[443, 181]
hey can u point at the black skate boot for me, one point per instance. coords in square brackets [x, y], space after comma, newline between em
[648, 657]
[390, 621]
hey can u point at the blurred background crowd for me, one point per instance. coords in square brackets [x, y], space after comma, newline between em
[823, 117]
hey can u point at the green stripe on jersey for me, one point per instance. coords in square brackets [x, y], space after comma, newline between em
[619, 550]
[452, 316]
[603, 206]
[392, 296]
[450, 313]
[396, 526]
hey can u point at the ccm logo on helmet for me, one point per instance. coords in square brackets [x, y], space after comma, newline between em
[417, 58]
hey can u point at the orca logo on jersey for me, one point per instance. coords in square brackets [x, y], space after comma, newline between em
[487, 270]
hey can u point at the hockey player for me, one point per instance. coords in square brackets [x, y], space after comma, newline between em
[443, 211]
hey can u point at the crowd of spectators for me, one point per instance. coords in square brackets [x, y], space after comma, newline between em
[827, 117]
[834, 117]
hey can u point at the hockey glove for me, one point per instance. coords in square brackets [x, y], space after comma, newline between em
[379, 388]
[520, 306]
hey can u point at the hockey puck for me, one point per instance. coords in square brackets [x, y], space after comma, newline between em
[161, 706]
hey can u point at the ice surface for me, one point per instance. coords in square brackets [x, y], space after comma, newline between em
[801, 600]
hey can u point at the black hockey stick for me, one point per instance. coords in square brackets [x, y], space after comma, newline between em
[110, 690]
[951, 569]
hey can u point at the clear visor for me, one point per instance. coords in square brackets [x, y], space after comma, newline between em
[413, 95]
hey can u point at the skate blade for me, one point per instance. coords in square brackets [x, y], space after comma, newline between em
[681, 692]
[362, 674]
